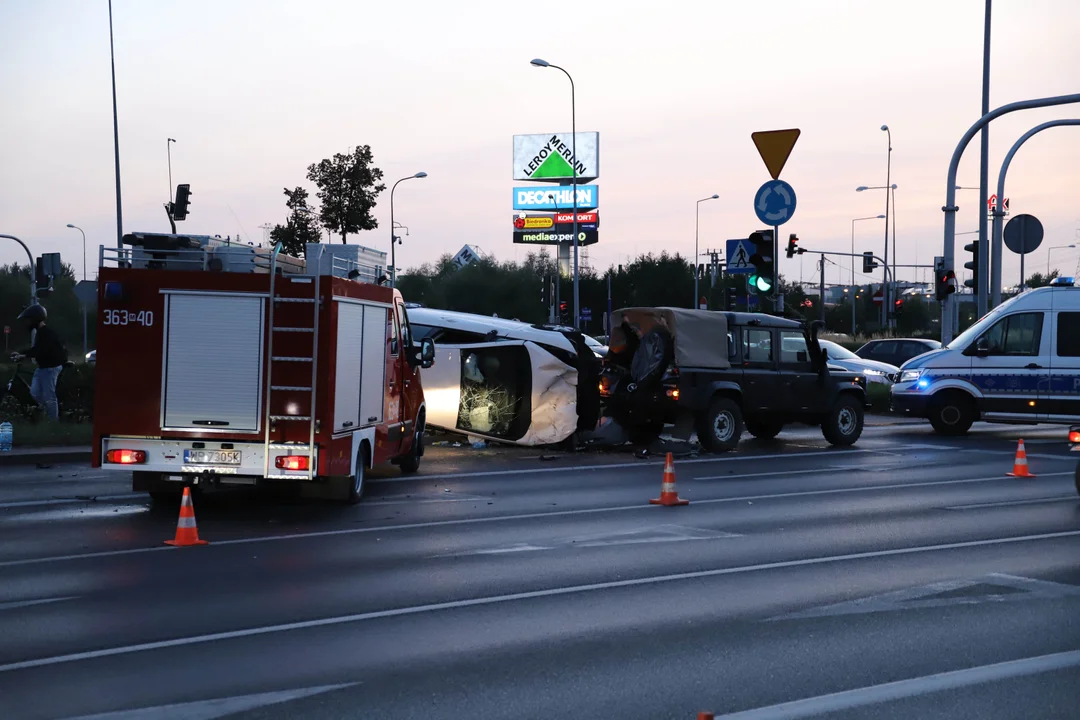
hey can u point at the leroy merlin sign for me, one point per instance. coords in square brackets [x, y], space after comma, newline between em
[550, 158]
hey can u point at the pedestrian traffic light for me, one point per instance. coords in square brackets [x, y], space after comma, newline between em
[183, 198]
[764, 261]
[868, 263]
[973, 266]
[731, 298]
[792, 246]
[944, 284]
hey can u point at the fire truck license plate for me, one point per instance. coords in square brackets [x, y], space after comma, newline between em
[211, 457]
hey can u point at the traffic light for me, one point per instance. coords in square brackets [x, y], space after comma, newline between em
[944, 283]
[46, 268]
[973, 266]
[764, 261]
[898, 308]
[792, 249]
[731, 298]
[868, 263]
[564, 312]
[545, 292]
[183, 199]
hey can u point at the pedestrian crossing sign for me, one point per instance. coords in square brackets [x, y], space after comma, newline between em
[738, 256]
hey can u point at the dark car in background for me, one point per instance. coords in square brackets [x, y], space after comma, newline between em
[896, 351]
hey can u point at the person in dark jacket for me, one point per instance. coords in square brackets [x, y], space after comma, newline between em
[49, 354]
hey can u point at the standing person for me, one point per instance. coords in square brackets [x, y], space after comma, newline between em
[49, 354]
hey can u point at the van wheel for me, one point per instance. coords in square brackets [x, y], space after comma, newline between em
[356, 482]
[952, 413]
[720, 428]
[844, 423]
[763, 429]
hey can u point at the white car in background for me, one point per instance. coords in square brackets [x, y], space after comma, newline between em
[875, 372]
[506, 380]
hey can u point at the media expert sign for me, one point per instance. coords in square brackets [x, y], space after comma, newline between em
[550, 158]
[558, 235]
[556, 198]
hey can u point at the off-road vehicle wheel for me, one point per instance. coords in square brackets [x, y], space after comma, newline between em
[721, 426]
[844, 423]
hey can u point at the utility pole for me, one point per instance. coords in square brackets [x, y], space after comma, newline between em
[821, 289]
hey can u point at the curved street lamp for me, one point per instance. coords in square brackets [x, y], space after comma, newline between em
[697, 222]
[393, 238]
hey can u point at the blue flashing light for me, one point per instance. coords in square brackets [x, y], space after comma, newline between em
[114, 291]
[923, 384]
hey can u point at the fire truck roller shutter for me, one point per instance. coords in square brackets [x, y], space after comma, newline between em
[360, 367]
[213, 362]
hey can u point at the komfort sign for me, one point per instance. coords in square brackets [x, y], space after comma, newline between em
[551, 158]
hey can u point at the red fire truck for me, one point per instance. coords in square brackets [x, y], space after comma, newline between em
[222, 363]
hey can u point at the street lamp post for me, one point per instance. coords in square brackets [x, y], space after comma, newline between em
[116, 140]
[885, 257]
[697, 223]
[537, 62]
[76, 227]
[853, 221]
[168, 149]
[393, 238]
[1056, 247]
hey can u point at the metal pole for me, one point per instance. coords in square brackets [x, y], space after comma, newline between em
[982, 275]
[995, 278]
[30, 259]
[558, 266]
[393, 240]
[852, 278]
[168, 149]
[693, 263]
[948, 247]
[116, 142]
[573, 168]
[821, 289]
[888, 181]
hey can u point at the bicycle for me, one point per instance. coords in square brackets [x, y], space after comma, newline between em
[16, 391]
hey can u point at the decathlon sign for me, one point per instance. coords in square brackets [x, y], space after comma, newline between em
[556, 198]
[551, 158]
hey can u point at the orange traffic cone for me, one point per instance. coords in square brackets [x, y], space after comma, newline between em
[705, 716]
[186, 532]
[668, 495]
[1020, 466]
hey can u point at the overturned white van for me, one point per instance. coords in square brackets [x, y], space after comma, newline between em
[507, 380]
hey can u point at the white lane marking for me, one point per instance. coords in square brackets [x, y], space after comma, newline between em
[216, 708]
[31, 603]
[637, 536]
[913, 687]
[71, 501]
[515, 597]
[1009, 503]
[422, 500]
[1012, 453]
[996, 587]
[687, 461]
[520, 516]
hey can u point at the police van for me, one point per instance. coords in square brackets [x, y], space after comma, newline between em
[1019, 364]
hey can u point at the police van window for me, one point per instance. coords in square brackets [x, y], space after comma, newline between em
[1068, 334]
[757, 346]
[791, 344]
[1016, 335]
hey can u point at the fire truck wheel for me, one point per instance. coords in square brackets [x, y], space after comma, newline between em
[410, 462]
[356, 482]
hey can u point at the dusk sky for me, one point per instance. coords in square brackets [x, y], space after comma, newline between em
[256, 90]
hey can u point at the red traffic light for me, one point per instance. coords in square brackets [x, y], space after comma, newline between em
[898, 303]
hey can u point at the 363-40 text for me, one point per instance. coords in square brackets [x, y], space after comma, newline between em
[126, 317]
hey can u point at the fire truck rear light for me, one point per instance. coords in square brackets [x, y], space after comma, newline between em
[125, 457]
[291, 462]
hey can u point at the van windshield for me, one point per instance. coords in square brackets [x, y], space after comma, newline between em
[965, 338]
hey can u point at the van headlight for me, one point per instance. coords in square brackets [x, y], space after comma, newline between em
[870, 372]
[910, 375]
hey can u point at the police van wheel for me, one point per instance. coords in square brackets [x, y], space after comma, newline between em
[721, 426]
[952, 413]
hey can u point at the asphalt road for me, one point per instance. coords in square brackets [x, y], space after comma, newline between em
[907, 577]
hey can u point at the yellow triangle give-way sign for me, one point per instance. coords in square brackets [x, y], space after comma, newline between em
[775, 146]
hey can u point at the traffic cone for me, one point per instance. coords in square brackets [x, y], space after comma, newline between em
[668, 495]
[186, 532]
[705, 716]
[1020, 466]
